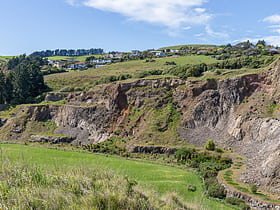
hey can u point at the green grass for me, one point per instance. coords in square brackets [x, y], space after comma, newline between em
[78, 58]
[226, 74]
[5, 58]
[86, 78]
[162, 179]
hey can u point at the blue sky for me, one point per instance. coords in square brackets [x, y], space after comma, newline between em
[31, 25]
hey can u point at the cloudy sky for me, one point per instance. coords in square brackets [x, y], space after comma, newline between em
[30, 25]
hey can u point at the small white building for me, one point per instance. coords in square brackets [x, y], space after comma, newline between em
[158, 53]
[98, 66]
[102, 61]
[51, 61]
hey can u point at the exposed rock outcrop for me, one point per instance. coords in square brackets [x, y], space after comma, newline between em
[152, 150]
[239, 113]
[51, 139]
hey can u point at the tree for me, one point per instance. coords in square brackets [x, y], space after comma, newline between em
[2, 88]
[261, 42]
[253, 188]
[183, 154]
[210, 145]
[36, 80]
[9, 87]
[20, 82]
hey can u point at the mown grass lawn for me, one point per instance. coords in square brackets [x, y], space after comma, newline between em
[160, 178]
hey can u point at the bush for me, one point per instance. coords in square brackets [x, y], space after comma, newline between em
[234, 201]
[210, 145]
[244, 206]
[253, 188]
[216, 190]
[209, 182]
[219, 150]
[191, 188]
[183, 154]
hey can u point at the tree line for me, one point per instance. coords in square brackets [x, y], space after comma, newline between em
[23, 81]
[69, 52]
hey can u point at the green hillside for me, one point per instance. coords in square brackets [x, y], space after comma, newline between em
[178, 47]
[5, 58]
[78, 58]
[87, 78]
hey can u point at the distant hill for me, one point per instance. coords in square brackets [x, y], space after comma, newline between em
[177, 47]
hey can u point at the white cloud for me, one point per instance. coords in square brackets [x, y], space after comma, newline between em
[187, 28]
[215, 34]
[272, 19]
[274, 26]
[277, 30]
[71, 2]
[170, 13]
[200, 10]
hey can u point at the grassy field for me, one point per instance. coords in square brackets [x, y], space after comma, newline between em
[78, 58]
[86, 78]
[162, 179]
[5, 58]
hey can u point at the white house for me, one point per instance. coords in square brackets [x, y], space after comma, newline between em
[51, 61]
[102, 61]
[174, 51]
[78, 65]
[158, 53]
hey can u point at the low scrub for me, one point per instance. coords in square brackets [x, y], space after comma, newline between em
[238, 202]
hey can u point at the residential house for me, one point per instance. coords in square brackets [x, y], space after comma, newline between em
[116, 55]
[78, 65]
[51, 61]
[135, 51]
[102, 61]
[158, 53]
[273, 51]
[187, 50]
[174, 51]
[58, 64]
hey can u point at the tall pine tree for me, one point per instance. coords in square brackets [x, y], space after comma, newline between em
[2, 88]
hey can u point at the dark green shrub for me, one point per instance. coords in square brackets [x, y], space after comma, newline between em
[183, 154]
[244, 206]
[191, 188]
[219, 150]
[234, 201]
[210, 181]
[210, 145]
[216, 190]
[253, 188]
[226, 161]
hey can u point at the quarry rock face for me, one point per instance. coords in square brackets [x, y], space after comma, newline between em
[240, 113]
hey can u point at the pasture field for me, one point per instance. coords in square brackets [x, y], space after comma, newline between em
[87, 77]
[6, 58]
[161, 179]
[78, 58]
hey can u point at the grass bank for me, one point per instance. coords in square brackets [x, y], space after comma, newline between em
[161, 179]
